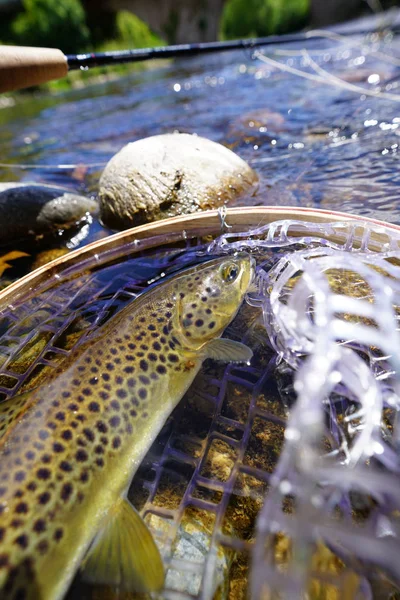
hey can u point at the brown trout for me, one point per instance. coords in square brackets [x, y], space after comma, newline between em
[71, 447]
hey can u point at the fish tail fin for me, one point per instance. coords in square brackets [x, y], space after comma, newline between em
[124, 553]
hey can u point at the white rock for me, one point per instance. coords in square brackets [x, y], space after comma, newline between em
[168, 175]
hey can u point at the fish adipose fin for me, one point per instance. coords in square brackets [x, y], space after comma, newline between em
[124, 553]
[227, 351]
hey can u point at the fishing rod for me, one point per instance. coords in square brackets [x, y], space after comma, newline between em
[23, 66]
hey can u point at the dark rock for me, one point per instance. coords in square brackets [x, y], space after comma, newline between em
[30, 209]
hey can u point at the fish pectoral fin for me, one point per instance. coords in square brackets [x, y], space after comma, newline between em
[124, 553]
[227, 350]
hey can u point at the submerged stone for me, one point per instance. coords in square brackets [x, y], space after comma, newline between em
[169, 175]
[32, 209]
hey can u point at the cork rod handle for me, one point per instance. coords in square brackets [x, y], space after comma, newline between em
[22, 66]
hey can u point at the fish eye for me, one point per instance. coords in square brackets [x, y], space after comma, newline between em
[229, 272]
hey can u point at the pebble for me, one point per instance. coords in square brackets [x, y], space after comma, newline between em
[32, 209]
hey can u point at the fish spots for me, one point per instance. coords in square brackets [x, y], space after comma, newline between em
[66, 394]
[44, 498]
[157, 346]
[104, 395]
[152, 357]
[65, 466]
[121, 393]
[211, 325]
[94, 407]
[60, 415]
[66, 434]
[43, 474]
[114, 421]
[4, 560]
[161, 370]
[39, 526]
[116, 443]
[21, 508]
[101, 426]
[81, 455]
[199, 323]
[58, 534]
[89, 435]
[99, 462]
[142, 393]
[87, 391]
[15, 523]
[115, 405]
[105, 376]
[129, 369]
[84, 477]
[42, 547]
[66, 491]
[131, 382]
[19, 476]
[110, 366]
[22, 540]
[174, 358]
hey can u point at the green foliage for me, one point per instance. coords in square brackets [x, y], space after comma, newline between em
[132, 32]
[251, 18]
[52, 23]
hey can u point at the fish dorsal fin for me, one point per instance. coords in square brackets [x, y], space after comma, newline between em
[124, 553]
[227, 351]
[11, 410]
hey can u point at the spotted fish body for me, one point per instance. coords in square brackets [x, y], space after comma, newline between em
[69, 454]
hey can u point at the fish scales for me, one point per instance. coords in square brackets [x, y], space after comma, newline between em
[72, 449]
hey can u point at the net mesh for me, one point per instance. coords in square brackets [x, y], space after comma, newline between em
[289, 465]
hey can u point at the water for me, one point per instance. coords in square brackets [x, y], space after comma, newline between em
[312, 144]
